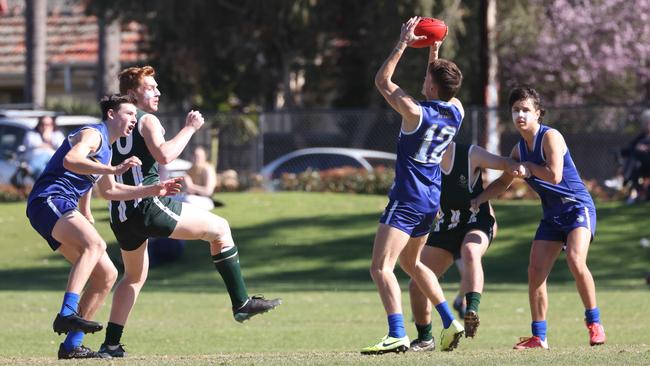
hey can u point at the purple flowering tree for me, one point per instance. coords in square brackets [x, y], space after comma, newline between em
[578, 51]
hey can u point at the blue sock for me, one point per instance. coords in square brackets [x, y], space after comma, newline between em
[539, 329]
[592, 315]
[73, 340]
[70, 302]
[445, 314]
[396, 326]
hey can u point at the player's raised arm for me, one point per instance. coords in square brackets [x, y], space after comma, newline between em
[167, 151]
[398, 99]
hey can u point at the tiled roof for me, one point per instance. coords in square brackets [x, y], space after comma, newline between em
[72, 38]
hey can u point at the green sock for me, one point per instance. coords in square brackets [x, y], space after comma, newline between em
[473, 300]
[113, 334]
[227, 264]
[424, 332]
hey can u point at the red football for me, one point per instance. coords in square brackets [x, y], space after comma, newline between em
[434, 29]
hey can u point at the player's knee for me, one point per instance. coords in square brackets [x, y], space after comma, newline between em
[378, 271]
[408, 266]
[96, 246]
[136, 279]
[576, 264]
[219, 230]
[469, 256]
[111, 276]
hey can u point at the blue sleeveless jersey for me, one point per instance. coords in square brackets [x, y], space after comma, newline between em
[57, 181]
[417, 170]
[569, 194]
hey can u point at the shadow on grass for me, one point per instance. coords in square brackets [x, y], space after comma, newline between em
[334, 259]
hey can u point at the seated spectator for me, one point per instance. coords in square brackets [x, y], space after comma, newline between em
[636, 167]
[40, 145]
[200, 181]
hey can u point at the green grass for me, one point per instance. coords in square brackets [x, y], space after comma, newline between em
[313, 250]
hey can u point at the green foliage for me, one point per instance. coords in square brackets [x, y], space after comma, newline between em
[209, 53]
[340, 180]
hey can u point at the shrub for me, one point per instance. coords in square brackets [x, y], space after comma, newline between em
[347, 179]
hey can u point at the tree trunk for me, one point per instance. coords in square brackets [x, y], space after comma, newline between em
[492, 135]
[35, 44]
[109, 55]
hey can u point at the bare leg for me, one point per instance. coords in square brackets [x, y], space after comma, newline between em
[542, 256]
[136, 268]
[439, 260]
[421, 274]
[196, 223]
[77, 235]
[99, 285]
[576, 251]
[388, 244]
[474, 246]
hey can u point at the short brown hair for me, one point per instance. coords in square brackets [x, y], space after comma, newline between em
[131, 77]
[527, 92]
[113, 102]
[447, 76]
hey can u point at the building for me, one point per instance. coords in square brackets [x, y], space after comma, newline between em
[72, 51]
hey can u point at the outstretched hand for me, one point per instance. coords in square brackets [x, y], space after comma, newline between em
[126, 165]
[407, 34]
[169, 187]
[519, 170]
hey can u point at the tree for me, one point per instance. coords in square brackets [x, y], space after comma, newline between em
[578, 52]
[35, 41]
[109, 54]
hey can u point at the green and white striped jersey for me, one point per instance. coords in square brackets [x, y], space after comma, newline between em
[145, 174]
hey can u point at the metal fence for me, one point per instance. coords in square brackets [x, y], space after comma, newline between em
[246, 142]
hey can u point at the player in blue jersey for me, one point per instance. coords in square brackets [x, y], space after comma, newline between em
[427, 128]
[77, 164]
[569, 214]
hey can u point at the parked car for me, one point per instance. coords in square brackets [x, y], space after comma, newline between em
[324, 158]
[14, 125]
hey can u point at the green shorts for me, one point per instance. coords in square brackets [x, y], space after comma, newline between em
[155, 217]
[452, 240]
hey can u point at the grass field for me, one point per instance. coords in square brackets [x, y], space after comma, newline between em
[313, 250]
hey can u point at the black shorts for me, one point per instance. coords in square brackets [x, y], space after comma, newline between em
[153, 218]
[452, 240]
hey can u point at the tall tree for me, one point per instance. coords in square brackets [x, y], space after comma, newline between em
[35, 44]
[109, 53]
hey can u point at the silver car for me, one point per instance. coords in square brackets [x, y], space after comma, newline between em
[324, 158]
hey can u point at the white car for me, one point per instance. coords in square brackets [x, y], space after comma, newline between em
[324, 158]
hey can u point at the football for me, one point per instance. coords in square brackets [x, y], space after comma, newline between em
[434, 29]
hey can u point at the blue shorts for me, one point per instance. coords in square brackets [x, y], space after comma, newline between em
[557, 228]
[43, 213]
[407, 219]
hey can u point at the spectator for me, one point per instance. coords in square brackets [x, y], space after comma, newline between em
[200, 181]
[41, 144]
[636, 166]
